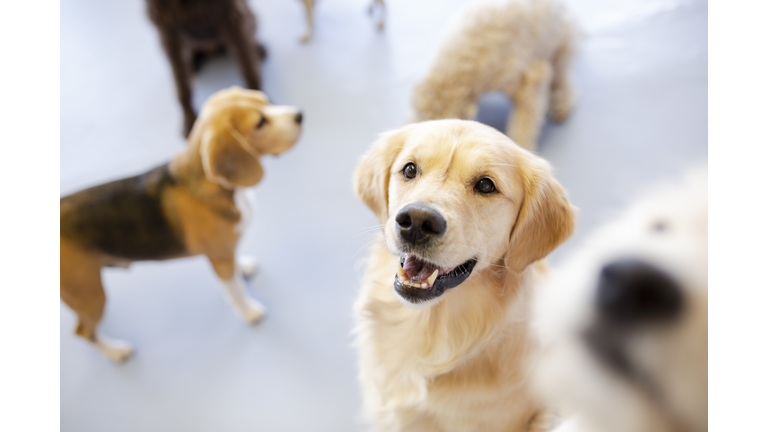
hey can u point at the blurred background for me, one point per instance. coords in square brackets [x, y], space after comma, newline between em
[640, 117]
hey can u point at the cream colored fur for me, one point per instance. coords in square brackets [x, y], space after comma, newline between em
[457, 363]
[667, 389]
[522, 48]
[309, 6]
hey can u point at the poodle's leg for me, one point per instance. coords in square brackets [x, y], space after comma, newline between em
[561, 94]
[245, 48]
[309, 6]
[530, 98]
[235, 291]
[82, 291]
[181, 73]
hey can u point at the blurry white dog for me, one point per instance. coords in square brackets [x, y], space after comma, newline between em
[624, 324]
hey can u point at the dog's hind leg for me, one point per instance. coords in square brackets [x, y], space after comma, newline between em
[82, 291]
[309, 6]
[530, 97]
[235, 291]
[561, 94]
[382, 12]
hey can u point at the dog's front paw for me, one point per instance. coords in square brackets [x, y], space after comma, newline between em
[253, 312]
[116, 350]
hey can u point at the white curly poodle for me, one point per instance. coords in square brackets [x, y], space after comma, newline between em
[520, 47]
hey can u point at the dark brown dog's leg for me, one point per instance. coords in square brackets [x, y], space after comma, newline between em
[244, 47]
[181, 74]
[82, 291]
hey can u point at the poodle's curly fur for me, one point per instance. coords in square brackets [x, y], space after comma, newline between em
[520, 47]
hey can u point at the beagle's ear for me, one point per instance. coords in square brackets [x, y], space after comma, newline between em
[229, 160]
[545, 220]
[372, 174]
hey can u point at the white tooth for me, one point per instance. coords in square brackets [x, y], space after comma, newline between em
[424, 285]
[432, 278]
[401, 273]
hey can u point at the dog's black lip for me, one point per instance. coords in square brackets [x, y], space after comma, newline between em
[443, 282]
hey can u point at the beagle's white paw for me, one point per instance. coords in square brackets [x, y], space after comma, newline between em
[116, 350]
[253, 311]
[249, 266]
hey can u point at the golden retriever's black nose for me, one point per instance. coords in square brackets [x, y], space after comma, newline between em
[419, 223]
[299, 117]
[632, 292]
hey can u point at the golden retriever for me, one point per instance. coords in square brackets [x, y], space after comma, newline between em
[195, 204]
[624, 324]
[442, 317]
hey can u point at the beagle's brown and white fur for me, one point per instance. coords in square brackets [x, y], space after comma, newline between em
[190, 206]
[443, 315]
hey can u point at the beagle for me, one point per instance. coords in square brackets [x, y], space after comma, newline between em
[192, 205]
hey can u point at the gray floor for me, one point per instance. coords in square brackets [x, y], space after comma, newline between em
[641, 75]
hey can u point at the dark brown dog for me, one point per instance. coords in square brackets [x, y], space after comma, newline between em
[191, 30]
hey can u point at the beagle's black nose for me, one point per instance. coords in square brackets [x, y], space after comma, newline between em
[299, 117]
[634, 292]
[419, 223]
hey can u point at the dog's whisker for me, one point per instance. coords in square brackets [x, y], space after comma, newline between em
[362, 233]
[372, 227]
[380, 237]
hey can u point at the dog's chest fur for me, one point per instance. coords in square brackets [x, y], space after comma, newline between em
[459, 364]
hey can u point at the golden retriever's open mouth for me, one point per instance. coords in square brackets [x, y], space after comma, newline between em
[418, 280]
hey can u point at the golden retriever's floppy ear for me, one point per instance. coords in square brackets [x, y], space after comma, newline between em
[228, 159]
[546, 218]
[372, 174]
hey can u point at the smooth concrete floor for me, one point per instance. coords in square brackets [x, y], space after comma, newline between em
[641, 77]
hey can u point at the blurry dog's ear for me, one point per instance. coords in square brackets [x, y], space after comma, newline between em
[372, 174]
[228, 159]
[546, 218]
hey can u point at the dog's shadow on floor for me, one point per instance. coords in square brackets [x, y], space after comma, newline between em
[494, 108]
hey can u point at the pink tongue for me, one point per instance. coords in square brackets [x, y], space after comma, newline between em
[417, 270]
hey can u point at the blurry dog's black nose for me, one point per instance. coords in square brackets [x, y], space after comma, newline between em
[299, 117]
[419, 223]
[632, 292]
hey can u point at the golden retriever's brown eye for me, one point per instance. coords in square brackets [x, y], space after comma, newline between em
[485, 186]
[410, 171]
[262, 122]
